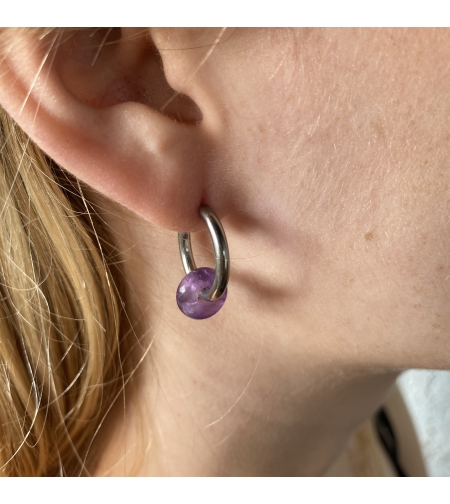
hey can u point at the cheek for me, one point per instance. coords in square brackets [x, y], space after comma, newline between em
[391, 288]
[420, 267]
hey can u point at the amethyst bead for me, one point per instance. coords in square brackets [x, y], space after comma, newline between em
[188, 294]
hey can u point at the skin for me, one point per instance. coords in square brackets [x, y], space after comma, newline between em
[325, 154]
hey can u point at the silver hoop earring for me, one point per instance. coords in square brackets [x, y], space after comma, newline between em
[203, 291]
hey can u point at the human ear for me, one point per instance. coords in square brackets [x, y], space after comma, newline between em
[99, 104]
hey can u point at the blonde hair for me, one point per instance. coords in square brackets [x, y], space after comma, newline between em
[60, 314]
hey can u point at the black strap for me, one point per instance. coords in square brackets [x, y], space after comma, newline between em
[387, 438]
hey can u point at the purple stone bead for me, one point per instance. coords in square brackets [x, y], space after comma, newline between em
[188, 294]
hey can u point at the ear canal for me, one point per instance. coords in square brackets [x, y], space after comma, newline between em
[120, 65]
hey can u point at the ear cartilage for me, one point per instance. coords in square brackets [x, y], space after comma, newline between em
[203, 291]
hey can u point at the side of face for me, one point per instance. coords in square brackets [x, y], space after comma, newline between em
[325, 152]
[334, 147]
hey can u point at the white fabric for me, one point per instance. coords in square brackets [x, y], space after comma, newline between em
[427, 396]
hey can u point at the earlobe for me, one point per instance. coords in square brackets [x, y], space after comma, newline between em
[103, 124]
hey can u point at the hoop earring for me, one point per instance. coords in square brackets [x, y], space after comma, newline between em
[203, 291]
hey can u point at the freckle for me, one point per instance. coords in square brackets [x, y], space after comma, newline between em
[440, 268]
[379, 130]
[416, 306]
[436, 326]
[369, 236]
[261, 127]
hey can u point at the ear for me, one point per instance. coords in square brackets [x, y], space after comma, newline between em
[99, 104]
